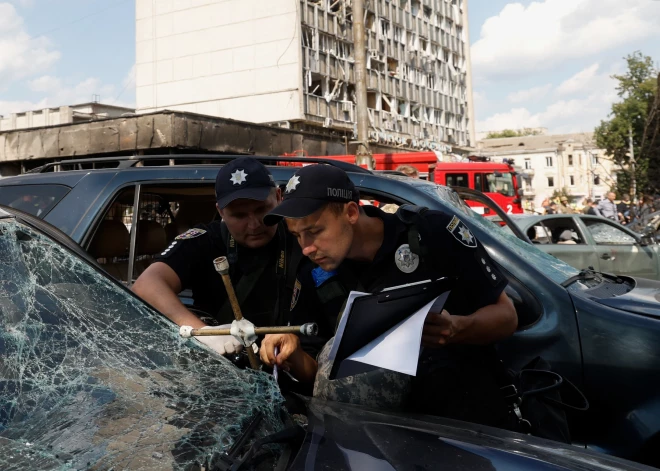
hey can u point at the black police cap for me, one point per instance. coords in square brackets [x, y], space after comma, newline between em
[310, 189]
[244, 177]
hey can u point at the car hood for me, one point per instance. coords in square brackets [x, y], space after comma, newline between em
[346, 437]
[643, 299]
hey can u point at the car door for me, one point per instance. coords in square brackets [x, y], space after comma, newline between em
[622, 248]
[578, 254]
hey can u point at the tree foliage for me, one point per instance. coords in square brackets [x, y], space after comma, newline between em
[638, 108]
[513, 133]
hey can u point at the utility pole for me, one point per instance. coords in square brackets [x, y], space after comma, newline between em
[363, 154]
[633, 178]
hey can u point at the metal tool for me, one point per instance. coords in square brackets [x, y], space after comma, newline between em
[305, 329]
[222, 267]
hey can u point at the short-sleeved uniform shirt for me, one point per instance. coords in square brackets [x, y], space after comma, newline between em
[454, 381]
[191, 257]
[453, 251]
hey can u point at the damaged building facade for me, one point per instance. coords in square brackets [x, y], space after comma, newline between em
[291, 63]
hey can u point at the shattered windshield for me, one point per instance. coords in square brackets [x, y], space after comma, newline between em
[557, 270]
[92, 378]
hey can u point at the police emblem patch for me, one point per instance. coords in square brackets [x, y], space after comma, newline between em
[190, 234]
[296, 294]
[461, 233]
[238, 177]
[405, 259]
[292, 184]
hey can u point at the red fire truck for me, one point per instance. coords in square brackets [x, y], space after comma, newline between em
[497, 180]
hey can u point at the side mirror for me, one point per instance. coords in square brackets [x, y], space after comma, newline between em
[521, 192]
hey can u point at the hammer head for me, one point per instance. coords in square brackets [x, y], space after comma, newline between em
[221, 265]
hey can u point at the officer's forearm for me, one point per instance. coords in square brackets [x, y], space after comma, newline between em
[487, 325]
[160, 295]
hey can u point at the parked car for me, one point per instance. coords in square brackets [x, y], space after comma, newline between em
[590, 241]
[599, 331]
[91, 377]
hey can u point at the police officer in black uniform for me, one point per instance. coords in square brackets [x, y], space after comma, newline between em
[362, 248]
[258, 257]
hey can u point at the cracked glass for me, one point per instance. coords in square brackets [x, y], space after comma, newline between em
[92, 378]
[604, 233]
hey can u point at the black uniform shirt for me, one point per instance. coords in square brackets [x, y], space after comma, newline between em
[453, 251]
[191, 257]
[454, 381]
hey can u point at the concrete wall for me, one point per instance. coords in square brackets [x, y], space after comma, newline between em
[237, 59]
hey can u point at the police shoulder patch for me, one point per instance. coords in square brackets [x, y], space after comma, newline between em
[461, 233]
[190, 234]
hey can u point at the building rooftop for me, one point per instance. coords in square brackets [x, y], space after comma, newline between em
[531, 143]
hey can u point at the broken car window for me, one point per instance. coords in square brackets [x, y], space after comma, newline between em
[92, 378]
[604, 233]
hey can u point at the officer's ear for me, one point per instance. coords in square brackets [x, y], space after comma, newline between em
[278, 194]
[352, 211]
[219, 210]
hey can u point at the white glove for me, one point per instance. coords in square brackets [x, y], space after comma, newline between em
[223, 344]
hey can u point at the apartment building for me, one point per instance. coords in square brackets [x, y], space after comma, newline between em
[291, 63]
[552, 162]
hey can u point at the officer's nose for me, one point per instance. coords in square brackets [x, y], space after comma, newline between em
[254, 222]
[308, 248]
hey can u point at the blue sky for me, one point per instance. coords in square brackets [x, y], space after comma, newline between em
[544, 63]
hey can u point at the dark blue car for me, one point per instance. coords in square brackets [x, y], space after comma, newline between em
[93, 378]
[601, 332]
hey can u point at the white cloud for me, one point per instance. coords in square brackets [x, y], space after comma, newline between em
[20, 54]
[45, 83]
[592, 93]
[56, 94]
[543, 34]
[530, 95]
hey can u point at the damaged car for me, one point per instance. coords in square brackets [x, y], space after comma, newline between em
[93, 378]
[599, 331]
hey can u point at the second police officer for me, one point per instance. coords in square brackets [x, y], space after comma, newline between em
[349, 247]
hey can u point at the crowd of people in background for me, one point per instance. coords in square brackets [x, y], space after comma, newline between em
[623, 211]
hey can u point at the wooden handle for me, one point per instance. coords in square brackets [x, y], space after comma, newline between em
[233, 300]
[254, 361]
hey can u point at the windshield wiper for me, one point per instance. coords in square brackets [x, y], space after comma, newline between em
[585, 275]
[231, 460]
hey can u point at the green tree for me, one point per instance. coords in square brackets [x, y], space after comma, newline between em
[511, 133]
[637, 89]
[501, 134]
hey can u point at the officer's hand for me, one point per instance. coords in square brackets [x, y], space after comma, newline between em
[438, 329]
[223, 344]
[288, 345]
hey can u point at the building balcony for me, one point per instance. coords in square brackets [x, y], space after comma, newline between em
[529, 191]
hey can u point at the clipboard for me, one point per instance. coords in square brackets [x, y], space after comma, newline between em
[372, 315]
